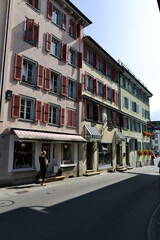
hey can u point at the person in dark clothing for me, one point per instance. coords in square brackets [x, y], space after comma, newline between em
[43, 166]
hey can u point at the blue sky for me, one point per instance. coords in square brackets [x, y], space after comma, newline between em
[128, 30]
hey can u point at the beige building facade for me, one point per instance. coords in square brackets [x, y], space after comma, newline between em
[41, 51]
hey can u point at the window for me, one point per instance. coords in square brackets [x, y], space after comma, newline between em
[27, 108]
[108, 71]
[100, 64]
[31, 32]
[143, 112]
[55, 83]
[146, 114]
[90, 83]
[116, 76]
[71, 121]
[109, 94]
[29, 71]
[89, 111]
[100, 89]
[117, 119]
[101, 114]
[126, 123]
[132, 88]
[125, 102]
[56, 17]
[72, 57]
[71, 89]
[72, 28]
[23, 155]
[56, 47]
[89, 56]
[104, 155]
[134, 107]
[34, 3]
[66, 153]
[54, 115]
[132, 144]
[124, 84]
[138, 145]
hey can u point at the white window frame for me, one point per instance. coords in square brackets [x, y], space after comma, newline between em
[55, 108]
[72, 88]
[26, 71]
[32, 108]
[56, 16]
[55, 82]
[56, 51]
[90, 83]
[72, 57]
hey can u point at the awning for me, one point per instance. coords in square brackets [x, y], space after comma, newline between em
[92, 133]
[120, 136]
[22, 134]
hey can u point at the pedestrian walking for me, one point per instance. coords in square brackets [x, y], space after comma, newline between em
[43, 166]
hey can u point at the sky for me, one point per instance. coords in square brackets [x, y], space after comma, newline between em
[129, 30]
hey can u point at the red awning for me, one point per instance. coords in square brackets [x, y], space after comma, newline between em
[22, 134]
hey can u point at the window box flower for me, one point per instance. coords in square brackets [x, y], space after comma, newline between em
[146, 152]
[140, 152]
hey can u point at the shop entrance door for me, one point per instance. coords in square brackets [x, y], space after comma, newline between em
[127, 154]
[90, 154]
[118, 157]
[50, 154]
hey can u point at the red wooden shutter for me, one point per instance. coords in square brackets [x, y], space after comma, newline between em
[64, 52]
[30, 29]
[121, 122]
[104, 91]
[38, 115]
[49, 9]
[95, 86]
[16, 102]
[105, 68]
[36, 4]
[72, 29]
[113, 95]
[79, 60]
[46, 108]
[116, 98]
[114, 118]
[78, 30]
[73, 118]
[85, 52]
[64, 21]
[40, 76]
[85, 109]
[37, 39]
[113, 74]
[64, 89]
[96, 112]
[95, 60]
[79, 91]
[62, 118]
[69, 119]
[47, 79]
[85, 81]
[18, 67]
[48, 42]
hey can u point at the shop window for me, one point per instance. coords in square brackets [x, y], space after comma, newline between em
[46, 147]
[66, 154]
[23, 152]
[105, 155]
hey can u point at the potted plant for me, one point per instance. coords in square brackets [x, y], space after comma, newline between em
[146, 152]
[140, 152]
[150, 152]
[60, 171]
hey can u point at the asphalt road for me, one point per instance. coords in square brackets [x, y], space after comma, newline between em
[111, 206]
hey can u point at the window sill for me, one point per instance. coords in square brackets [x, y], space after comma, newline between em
[23, 170]
[58, 57]
[54, 93]
[26, 120]
[28, 84]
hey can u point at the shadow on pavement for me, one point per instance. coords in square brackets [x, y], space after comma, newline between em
[118, 212]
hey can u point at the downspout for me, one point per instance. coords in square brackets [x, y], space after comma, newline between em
[4, 48]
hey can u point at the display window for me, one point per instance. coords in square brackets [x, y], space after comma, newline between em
[66, 153]
[105, 154]
[23, 153]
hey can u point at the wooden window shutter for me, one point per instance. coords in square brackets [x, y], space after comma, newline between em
[79, 91]
[121, 121]
[69, 118]
[48, 42]
[113, 74]
[85, 81]
[40, 76]
[37, 39]
[73, 118]
[30, 29]
[96, 112]
[64, 52]
[16, 102]
[64, 21]
[79, 60]
[85, 52]
[18, 67]
[36, 4]
[62, 117]
[85, 109]
[46, 108]
[38, 115]
[95, 86]
[114, 118]
[64, 89]
[49, 9]
[105, 68]
[78, 30]
[47, 79]
[95, 60]
[105, 91]
[113, 95]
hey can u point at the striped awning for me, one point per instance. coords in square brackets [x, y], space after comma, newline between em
[22, 134]
[92, 133]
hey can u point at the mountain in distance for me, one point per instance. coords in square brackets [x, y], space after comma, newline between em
[155, 116]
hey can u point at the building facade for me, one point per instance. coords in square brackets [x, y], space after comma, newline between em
[101, 108]
[136, 113]
[40, 103]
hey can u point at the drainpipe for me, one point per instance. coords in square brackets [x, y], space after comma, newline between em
[4, 48]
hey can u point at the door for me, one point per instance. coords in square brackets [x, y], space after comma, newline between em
[134, 159]
[118, 157]
[50, 155]
[127, 154]
[90, 154]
